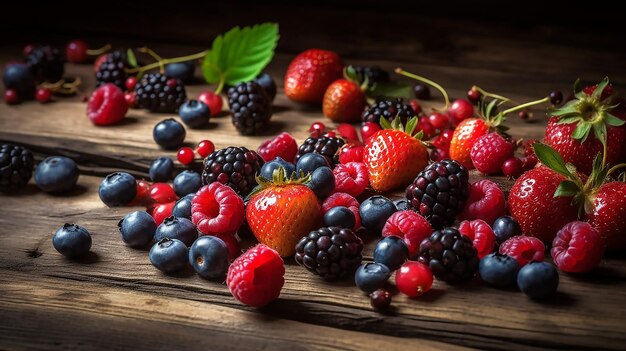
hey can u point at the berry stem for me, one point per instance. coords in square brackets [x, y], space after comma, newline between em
[427, 81]
[615, 168]
[495, 96]
[155, 56]
[168, 61]
[525, 105]
[99, 51]
[220, 85]
[62, 87]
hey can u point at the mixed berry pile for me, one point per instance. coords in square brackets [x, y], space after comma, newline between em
[315, 200]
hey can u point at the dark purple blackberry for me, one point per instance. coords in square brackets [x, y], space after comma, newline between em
[450, 255]
[236, 167]
[332, 253]
[157, 93]
[112, 70]
[250, 106]
[327, 146]
[439, 192]
[46, 64]
[388, 109]
[374, 74]
[16, 167]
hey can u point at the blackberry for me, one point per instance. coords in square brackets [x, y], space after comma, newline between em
[112, 70]
[236, 167]
[439, 192]
[450, 255]
[374, 74]
[16, 166]
[157, 93]
[332, 253]
[251, 107]
[327, 146]
[388, 109]
[46, 64]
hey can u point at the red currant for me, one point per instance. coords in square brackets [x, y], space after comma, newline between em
[438, 120]
[185, 155]
[205, 148]
[143, 194]
[351, 153]
[415, 105]
[348, 132]
[513, 167]
[523, 115]
[447, 135]
[368, 129]
[421, 91]
[555, 97]
[43, 95]
[460, 110]
[161, 211]
[130, 83]
[76, 51]
[439, 154]
[214, 101]
[380, 299]
[424, 125]
[162, 193]
[529, 162]
[317, 129]
[473, 95]
[414, 279]
[131, 99]
[11, 97]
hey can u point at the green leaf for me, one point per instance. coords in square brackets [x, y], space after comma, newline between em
[419, 135]
[241, 54]
[582, 131]
[578, 89]
[566, 188]
[549, 157]
[384, 123]
[130, 57]
[570, 108]
[411, 125]
[612, 120]
[568, 120]
[597, 92]
[490, 107]
[391, 90]
[599, 129]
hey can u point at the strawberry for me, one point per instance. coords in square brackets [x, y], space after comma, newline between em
[394, 155]
[310, 73]
[569, 128]
[464, 137]
[280, 212]
[344, 99]
[608, 214]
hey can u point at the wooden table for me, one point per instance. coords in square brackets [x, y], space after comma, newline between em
[115, 299]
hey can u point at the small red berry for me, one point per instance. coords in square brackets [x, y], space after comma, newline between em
[368, 129]
[411, 227]
[205, 148]
[577, 248]
[11, 97]
[185, 155]
[283, 146]
[257, 276]
[424, 125]
[345, 200]
[351, 153]
[162, 193]
[76, 51]
[422, 91]
[416, 106]
[489, 153]
[473, 95]
[351, 178]
[482, 236]
[131, 99]
[513, 167]
[99, 61]
[380, 299]
[460, 110]
[439, 154]
[348, 132]
[143, 194]
[524, 249]
[43, 95]
[214, 101]
[317, 129]
[523, 115]
[556, 97]
[131, 83]
[232, 243]
[414, 279]
[486, 201]
[107, 105]
[28, 49]
[217, 209]
[438, 120]
[161, 211]
[529, 162]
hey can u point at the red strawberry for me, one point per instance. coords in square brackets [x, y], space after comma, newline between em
[464, 137]
[344, 101]
[394, 155]
[310, 73]
[576, 130]
[282, 212]
[608, 214]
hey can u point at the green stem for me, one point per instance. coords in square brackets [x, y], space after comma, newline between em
[168, 61]
[155, 56]
[528, 104]
[615, 168]
[220, 85]
[495, 96]
[603, 141]
[99, 51]
[427, 81]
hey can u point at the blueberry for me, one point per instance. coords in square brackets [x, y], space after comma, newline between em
[209, 257]
[19, 78]
[56, 174]
[339, 216]
[401, 204]
[169, 134]
[180, 70]
[371, 276]
[117, 189]
[72, 240]
[194, 113]
[161, 169]
[391, 251]
[177, 228]
[498, 270]
[322, 182]
[137, 228]
[187, 182]
[267, 170]
[267, 83]
[374, 212]
[182, 208]
[538, 280]
[169, 255]
[308, 163]
[506, 227]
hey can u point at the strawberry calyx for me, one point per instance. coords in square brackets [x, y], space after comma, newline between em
[589, 112]
[280, 179]
[409, 129]
[361, 80]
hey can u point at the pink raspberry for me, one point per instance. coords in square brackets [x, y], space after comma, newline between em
[345, 200]
[256, 277]
[481, 234]
[489, 153]
[283, 146]
[351, 178]
[107, 105]
[486, 201]
[217, 209]
[577, 248]
[524, 249]
[409, 226]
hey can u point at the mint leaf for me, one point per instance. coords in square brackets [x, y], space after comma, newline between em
[241, 54]
[549, 157]
[392, 90]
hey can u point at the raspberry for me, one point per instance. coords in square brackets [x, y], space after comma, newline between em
[346, 200]
[577, 248]
[351, 178]
[524, 249]
[486, 201]
[217, 209]
[351, 153]
[107, 105]
[409, 226]
[414, 279]
[481, 234]
[256, 277]
[283, 146]
[489, 153]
